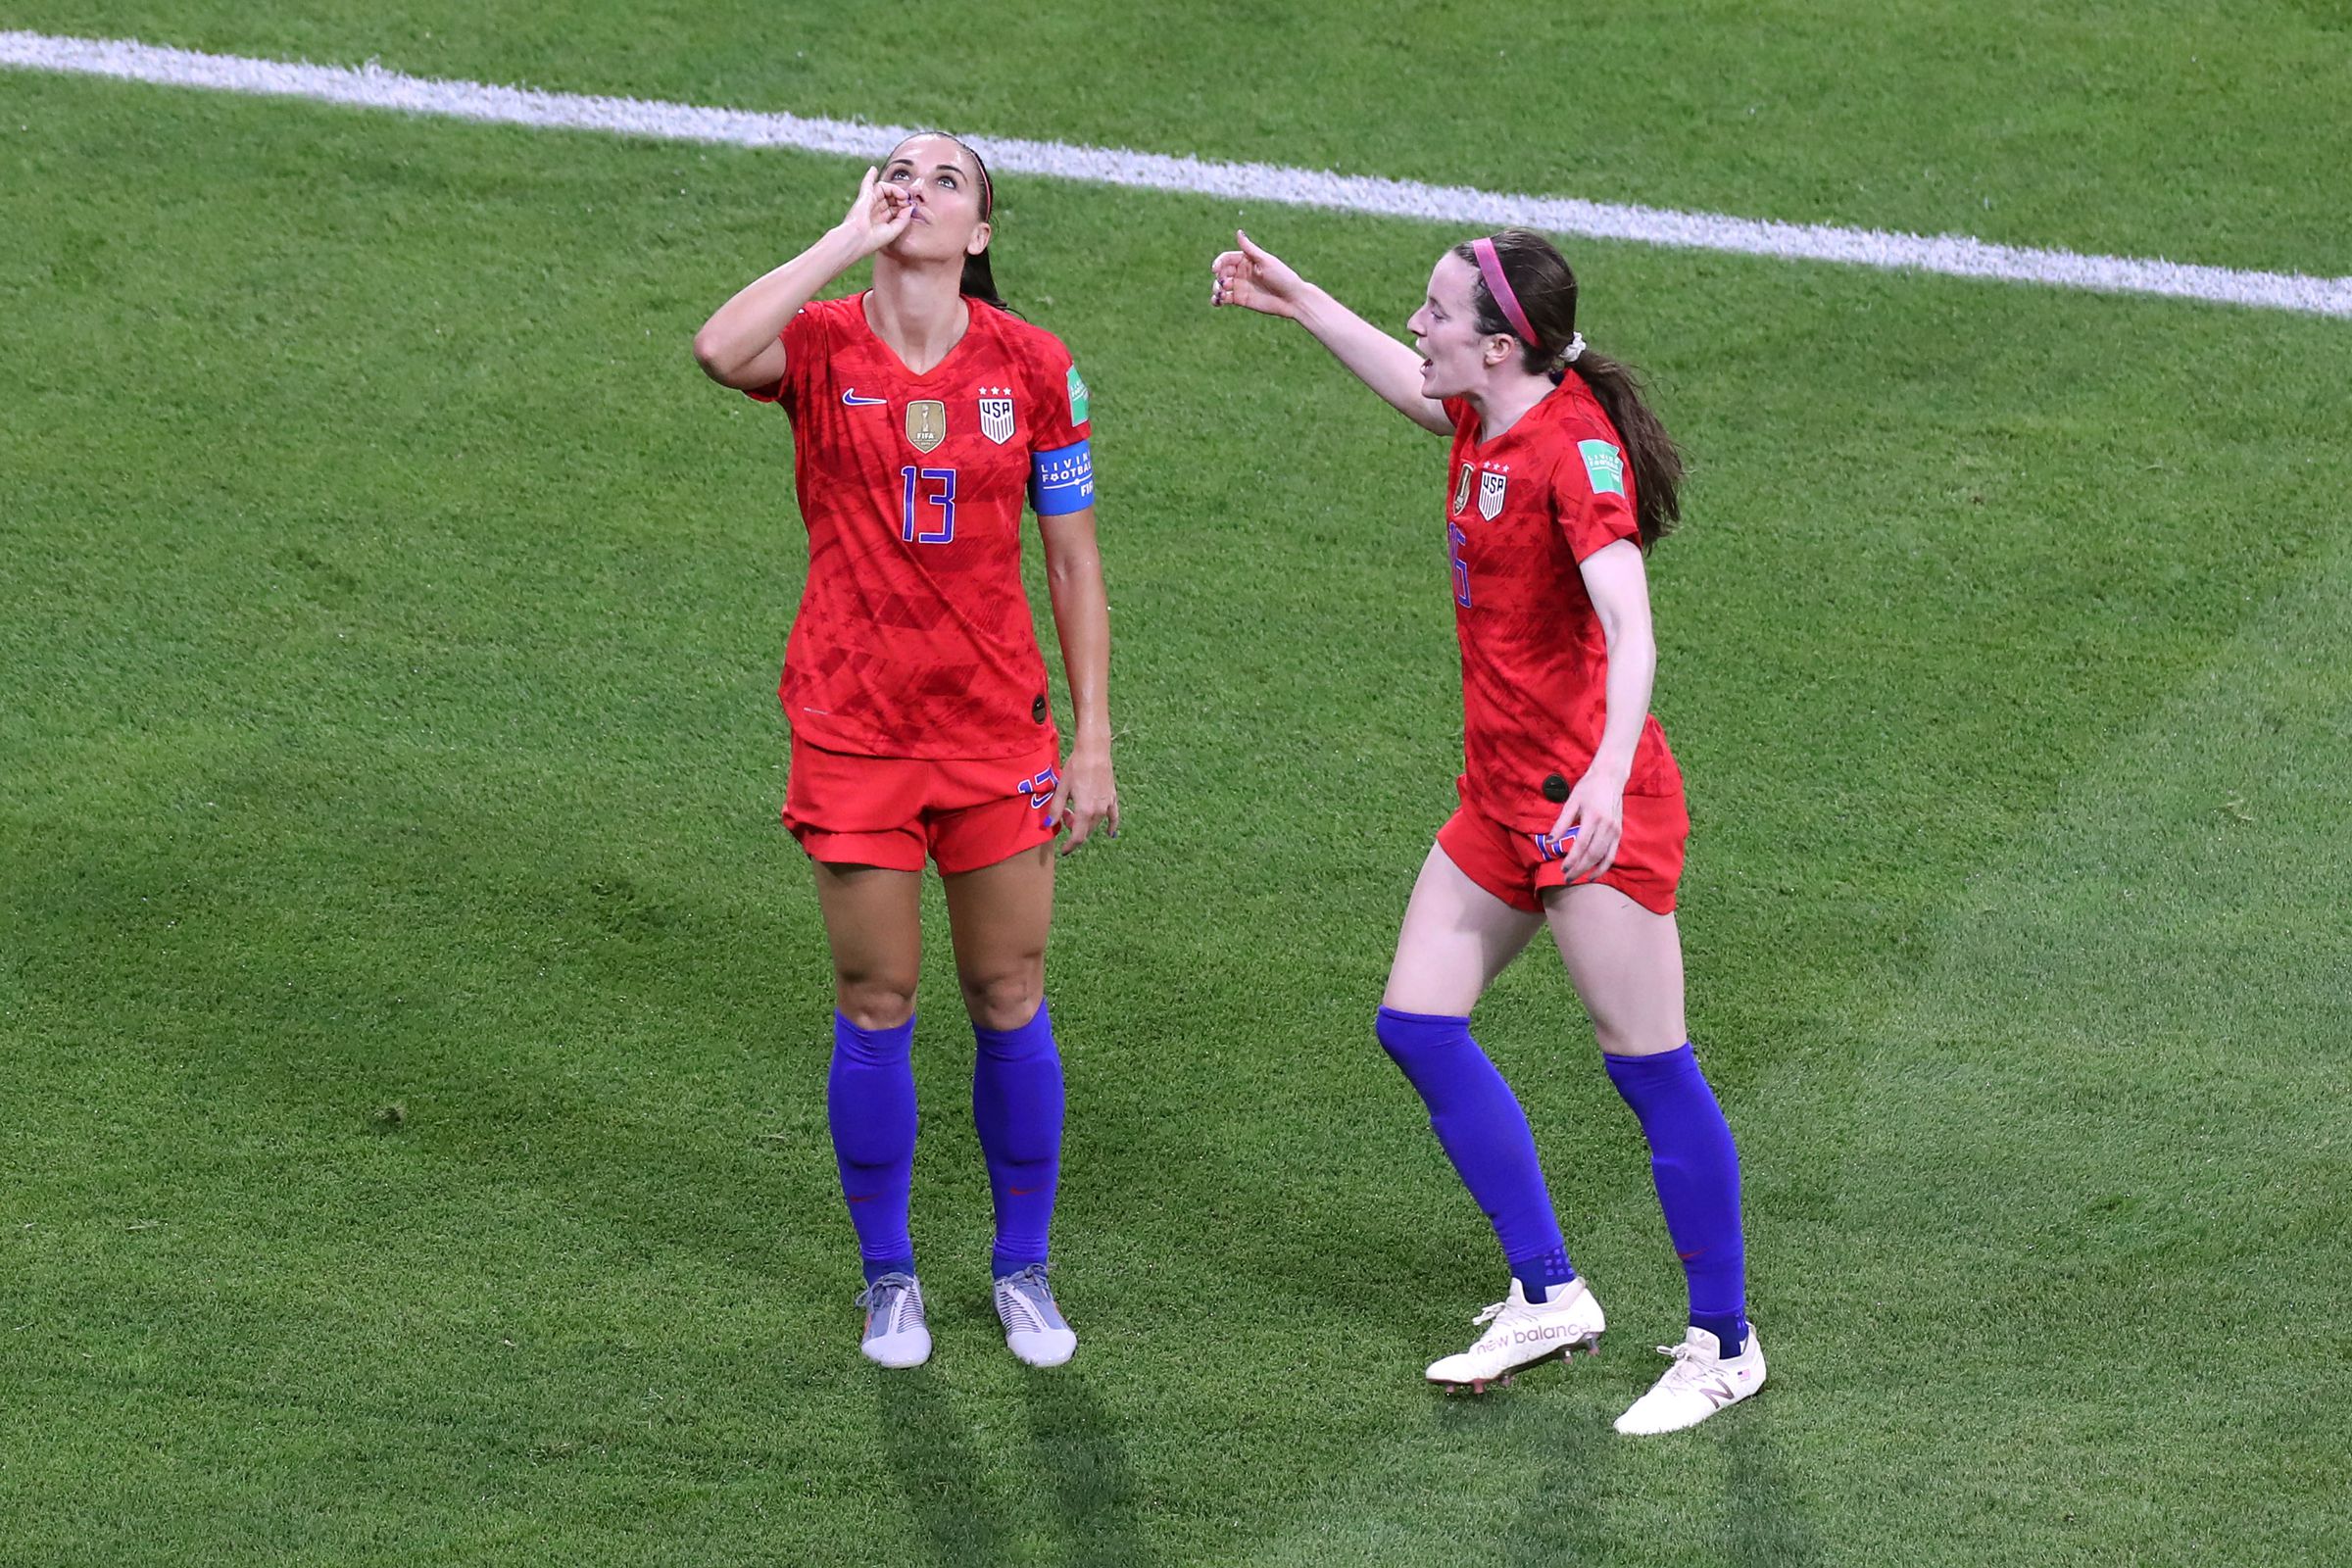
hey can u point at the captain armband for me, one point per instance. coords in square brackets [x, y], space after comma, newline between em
[1061, 481]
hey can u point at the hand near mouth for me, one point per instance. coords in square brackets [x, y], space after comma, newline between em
[878, 215]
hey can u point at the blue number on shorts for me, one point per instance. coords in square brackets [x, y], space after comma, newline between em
[944, 499]
[1454, 540]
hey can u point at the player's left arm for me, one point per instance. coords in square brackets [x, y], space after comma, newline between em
[1087, 792]
[1619, 587]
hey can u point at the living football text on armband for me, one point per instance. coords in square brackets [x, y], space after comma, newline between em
[1063, 480]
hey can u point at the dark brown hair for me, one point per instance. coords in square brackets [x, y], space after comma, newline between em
[1546, 287]
[979, 278]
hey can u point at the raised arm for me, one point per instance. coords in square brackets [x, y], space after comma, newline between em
[741, 346]
[1256, 280]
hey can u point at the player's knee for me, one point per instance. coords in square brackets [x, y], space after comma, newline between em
[1404, 1034]
[1007, 1000]
[1637, 1035]
[874, 1002]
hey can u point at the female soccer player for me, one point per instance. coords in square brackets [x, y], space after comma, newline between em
[1571, 814]
[921, 411]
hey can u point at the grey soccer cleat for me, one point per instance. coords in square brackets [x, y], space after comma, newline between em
[1034, 1327]
[895, 1333]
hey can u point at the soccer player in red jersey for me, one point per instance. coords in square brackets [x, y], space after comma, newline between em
[1571, 807]
[923, 412]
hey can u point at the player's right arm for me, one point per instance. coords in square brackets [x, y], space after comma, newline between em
[1256, 280]
[742, 344]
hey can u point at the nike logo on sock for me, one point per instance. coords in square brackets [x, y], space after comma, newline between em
[1020, 1192]
[848, 395]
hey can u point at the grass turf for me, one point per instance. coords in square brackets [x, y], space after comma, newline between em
[414, 1150]
[2186, 128]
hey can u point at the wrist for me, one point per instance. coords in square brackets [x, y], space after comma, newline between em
[842, 247]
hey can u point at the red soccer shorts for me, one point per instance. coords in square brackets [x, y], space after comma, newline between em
[895, 811]
[1517, 867]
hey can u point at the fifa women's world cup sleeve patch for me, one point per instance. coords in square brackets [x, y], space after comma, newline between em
[1061, 481]
[1593, 499]
[1604, 467]
[1057, 397]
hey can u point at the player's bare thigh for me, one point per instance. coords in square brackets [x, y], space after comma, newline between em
[1626, 962]
[875, 925]
[1458, 937]
[997, 918]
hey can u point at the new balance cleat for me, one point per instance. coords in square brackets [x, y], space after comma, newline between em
[1701, 1381]
[1034, 1327]
[895, 1333]
[1524, 1333]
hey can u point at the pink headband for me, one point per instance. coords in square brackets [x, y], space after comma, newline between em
[1490, 267]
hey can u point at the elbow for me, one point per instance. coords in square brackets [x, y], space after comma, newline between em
[709, 354]
[721, 359]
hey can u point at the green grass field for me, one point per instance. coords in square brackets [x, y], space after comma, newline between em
[414, 1016]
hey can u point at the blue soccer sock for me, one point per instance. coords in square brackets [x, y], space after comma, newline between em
[1696, 1169]
[1485, 1133]
[869, 1104]
[1017, 1107]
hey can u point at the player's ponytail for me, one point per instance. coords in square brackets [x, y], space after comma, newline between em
[979, 278]
[980, 283]
[1544, 288]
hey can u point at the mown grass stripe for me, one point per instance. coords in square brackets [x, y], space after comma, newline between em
[1952, 255]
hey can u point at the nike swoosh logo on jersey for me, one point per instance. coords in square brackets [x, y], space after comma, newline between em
[848, 395]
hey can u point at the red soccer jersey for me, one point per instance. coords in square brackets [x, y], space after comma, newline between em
[1522, 510]
[913, 636]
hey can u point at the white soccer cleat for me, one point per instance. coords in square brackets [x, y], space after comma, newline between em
[896, 1334]
[1701, 1381]
[1524, 1333]
[1034, 1327]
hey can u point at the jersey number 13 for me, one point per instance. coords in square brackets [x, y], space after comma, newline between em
[914, 497]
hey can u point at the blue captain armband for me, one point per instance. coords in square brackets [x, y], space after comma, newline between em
[1061, 481]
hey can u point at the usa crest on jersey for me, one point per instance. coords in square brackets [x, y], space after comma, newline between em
[996, 413]
[1490, 494]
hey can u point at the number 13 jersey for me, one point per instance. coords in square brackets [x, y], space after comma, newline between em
[913, 636]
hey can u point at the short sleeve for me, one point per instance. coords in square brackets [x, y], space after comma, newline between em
[1058, 398]
[1593, 496]
[806, 345]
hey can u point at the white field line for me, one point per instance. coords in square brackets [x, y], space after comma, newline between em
[1952, 255]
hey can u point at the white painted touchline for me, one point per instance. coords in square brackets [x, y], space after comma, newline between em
[1956, 256]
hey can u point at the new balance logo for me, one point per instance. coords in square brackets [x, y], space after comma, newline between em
[1536, 1336]
[1719, 1394]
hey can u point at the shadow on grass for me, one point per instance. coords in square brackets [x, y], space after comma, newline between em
[1078, 1451]
[1763, 1522]
[931, 1453]
[1078, 1484]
